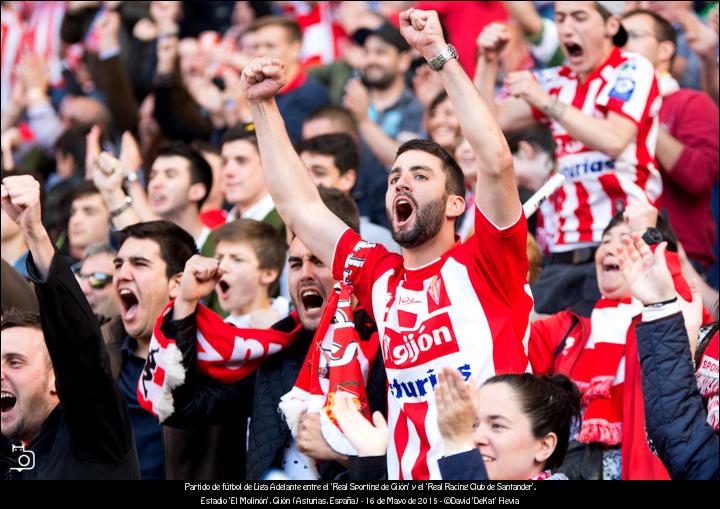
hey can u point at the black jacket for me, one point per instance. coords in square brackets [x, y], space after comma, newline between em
[88, 435]
[197, 450]
[202, 399]
[675, 415]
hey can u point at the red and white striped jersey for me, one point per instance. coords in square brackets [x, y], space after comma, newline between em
[42, 37]
[33, 27]
[597, 186]
[468, 310]
[12, 38]
[321, 33]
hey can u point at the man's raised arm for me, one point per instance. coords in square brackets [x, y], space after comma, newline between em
[496, 193]
[288, 180]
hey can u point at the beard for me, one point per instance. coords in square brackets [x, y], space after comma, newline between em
[382, 82]
[428, 222]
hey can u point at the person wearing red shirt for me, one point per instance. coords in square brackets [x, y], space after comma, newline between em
[442, 303]
[687, 147]
[602, 108]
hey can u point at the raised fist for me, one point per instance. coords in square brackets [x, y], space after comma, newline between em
[422, 31]
[108, 175]
[21, 202]
[199, 278]
[492, 40]
[263, 78]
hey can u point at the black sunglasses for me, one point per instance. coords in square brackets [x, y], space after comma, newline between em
[97, 280]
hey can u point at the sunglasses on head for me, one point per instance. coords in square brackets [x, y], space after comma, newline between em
[96, 280]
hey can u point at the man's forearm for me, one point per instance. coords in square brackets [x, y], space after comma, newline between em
[476, 119]
[116, 200]
[597, 133]
[710, 77]
[42, 250]
[525, 15]
[484, 81]
[668, 150]
[286, 177]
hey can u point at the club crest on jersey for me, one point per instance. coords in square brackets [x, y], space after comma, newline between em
[434, 289]
[623, 89]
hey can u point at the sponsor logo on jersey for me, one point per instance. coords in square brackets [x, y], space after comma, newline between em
[433, 339]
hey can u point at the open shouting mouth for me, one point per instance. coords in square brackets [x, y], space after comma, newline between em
[404, 209]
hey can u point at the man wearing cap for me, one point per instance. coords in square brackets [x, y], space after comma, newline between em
[385, 109]
[602, 108]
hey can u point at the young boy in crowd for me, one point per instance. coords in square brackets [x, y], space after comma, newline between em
[251, 255]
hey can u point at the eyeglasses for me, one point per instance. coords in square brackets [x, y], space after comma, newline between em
[639, 34]
[96, 280]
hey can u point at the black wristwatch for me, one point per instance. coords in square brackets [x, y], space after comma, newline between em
[652, 236]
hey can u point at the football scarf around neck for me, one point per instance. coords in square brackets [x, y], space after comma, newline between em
[224, 352]
[600, 370]
[337, 361]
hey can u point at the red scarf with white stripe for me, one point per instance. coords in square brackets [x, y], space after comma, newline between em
[337, 361]
[600, 370]
[707, 379]
[224, 352]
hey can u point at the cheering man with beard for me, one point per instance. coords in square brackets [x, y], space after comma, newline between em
[442, 303]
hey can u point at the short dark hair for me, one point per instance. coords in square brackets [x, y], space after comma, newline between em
[340, 146]
[266, 241]
[72, 142]
[15, 317]
[176, 245]
[289, 24]
[200, 171]
[241, 131]
[550, 403]
[84, 188]
[664, 31]
[342, 205]
[662, 225]
[336, 114]
[539, 136]
[205, 146]
[454, 178]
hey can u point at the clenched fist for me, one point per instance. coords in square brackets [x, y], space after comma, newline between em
[21, 202]
[108, 174]
[199, 278]
[422, 31]
[492, 40]
[263, 78]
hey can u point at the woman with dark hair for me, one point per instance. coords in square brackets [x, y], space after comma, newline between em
[599, 354]
[514, 427]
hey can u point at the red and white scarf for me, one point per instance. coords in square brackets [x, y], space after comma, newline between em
[337, 361]
[600, 370]
[707, 379]
[224, 352]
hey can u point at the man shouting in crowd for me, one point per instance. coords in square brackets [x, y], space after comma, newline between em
[442, 303]
[58, 396]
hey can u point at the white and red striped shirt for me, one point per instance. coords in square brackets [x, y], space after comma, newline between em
[597, 186]
[322, 34]
[468, 310]
[34, 27]
[12, 38]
